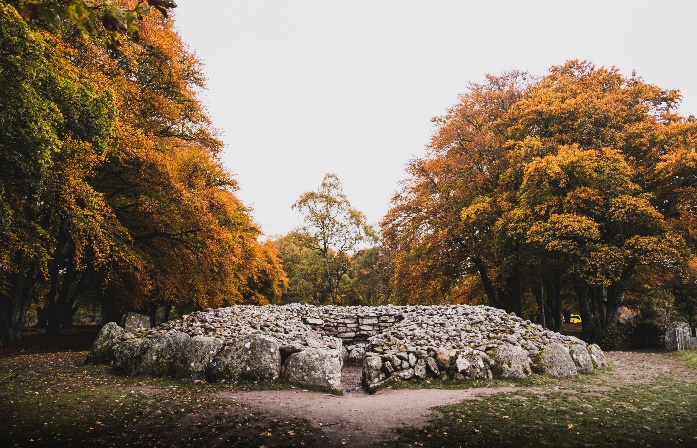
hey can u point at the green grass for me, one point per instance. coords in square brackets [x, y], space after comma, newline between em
[587, 411]
[54, 399]
[689, 357]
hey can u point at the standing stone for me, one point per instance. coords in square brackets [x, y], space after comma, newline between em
[195, 357]
[249, 358]
[103, 345]
[432, 367]
[473, 364]
[420, 369]
[314, 367]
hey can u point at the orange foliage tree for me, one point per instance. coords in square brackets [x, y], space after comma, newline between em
[118, 192]
[576, 183]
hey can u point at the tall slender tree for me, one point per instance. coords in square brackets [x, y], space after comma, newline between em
[333, 229]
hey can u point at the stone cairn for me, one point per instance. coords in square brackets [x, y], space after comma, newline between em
[307, 345]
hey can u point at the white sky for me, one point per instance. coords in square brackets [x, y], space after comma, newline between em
[301, 88]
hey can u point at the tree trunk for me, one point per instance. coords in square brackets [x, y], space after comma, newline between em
[167, 311]
[553, 304]
[14, 306]
[71, 307]
[615, 299]
[486, 282]
[58, 307]
[539, 294]
[586, 305]
[109, 311]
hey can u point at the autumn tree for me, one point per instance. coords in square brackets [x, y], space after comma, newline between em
[56, 129]
[334, 230]
[111, 180]
[535, 188]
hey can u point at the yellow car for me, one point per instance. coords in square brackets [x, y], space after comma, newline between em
[575, 319]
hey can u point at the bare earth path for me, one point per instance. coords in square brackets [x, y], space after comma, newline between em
[357, 420]
[360, 420]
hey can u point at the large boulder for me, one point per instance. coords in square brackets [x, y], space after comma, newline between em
[128, 355]
[315, 367]
[555, 361]
[510, 361]
[597, 356]
[582, 359]
[195, 357]
[157, 361]
[250, 358]
[474, 364]
[103, 345]
[134, 322]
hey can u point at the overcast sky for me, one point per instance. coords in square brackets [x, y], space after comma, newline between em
[302, 88]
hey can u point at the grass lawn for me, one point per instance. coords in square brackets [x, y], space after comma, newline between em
[49, 397]
[591, 411]
[54, 399]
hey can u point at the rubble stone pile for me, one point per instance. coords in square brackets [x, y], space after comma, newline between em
[307, 345]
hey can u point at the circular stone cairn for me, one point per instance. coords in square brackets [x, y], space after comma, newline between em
[307, 345]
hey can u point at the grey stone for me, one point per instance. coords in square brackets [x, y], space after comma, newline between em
[510, 361]
[314, 367]
[254, 358]
[473, 364]
[420, 369]
[356, 353]
[127, 355]
[314, 321]
[157, 361]
[555, 361]
[134, 322]
[582, 359]
[372, 371]
[194, 359]
[597, 356]
[432, 366]
[103, 345]
[405, 374]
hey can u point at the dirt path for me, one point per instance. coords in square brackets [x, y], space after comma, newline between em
[357, 420]
[360, 420]
[644, 367]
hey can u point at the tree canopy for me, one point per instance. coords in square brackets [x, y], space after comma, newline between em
[333, 230]
[539, 189]
[111, 186]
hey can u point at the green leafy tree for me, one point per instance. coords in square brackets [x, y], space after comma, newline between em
[369, 278]
[334, 230]
[303, 267]
[56, 128]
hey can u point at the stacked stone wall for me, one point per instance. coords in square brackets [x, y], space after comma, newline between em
[308, 345]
